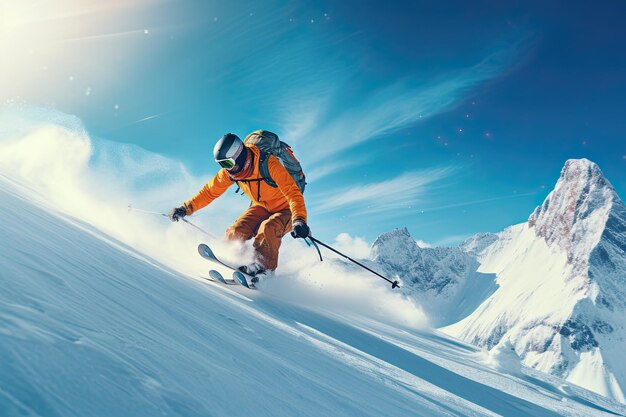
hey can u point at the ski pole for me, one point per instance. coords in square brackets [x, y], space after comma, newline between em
[394, 284]
[130, 208]
[198, 227]
[315, 246]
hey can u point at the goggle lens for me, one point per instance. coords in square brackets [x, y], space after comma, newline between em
[226, 163]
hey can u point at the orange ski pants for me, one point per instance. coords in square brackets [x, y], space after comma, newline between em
[267, 228]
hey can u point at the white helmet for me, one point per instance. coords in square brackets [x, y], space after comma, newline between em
[230, 151]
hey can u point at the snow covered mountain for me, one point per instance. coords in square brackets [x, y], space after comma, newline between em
[561, 300]
[444, 280]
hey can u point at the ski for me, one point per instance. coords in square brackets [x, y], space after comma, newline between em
[239, 277]
[217, 276]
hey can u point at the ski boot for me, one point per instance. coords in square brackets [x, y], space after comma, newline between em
[255, 271]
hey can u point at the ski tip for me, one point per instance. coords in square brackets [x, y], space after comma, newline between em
[217, 276]
[241, 278]
[204, 250]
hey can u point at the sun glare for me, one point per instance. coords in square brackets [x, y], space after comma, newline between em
[42, 42]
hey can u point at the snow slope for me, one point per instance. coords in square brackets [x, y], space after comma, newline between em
[562, 285]
[91, 325]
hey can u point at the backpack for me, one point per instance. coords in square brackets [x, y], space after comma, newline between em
[269, 144]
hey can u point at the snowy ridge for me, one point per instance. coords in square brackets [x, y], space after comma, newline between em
[476, 245]
[435, 270]
[562, 278]
[444, 280]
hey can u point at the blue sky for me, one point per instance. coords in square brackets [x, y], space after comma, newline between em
[447, 117]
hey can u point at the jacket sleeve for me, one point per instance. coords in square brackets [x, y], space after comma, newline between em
[288, 187]
[213, 189]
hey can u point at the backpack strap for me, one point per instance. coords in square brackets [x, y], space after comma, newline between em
[251, 180]
[264, 169]
[264, 172]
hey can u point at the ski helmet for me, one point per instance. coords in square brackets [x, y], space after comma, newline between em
[230, 151]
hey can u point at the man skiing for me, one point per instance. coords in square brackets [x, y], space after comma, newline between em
[273, 212]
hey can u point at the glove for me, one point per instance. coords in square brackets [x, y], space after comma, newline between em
[177, 213]
[300, 230]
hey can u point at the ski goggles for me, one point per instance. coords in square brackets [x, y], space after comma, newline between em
[227, 163]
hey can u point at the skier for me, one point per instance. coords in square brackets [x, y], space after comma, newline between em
[273, 212]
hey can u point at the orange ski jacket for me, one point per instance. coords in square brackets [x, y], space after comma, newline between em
[286, 196]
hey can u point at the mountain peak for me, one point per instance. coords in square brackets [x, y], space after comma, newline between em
[400, 231]
[584, 172]
[573, 216]
[395, 247]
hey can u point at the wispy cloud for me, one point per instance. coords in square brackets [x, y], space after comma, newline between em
[386, 109]
[393, 194]
[319, 170]
[475, 202]
[134, 122]
[354, 246]
[154, 116]
[103, 36]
